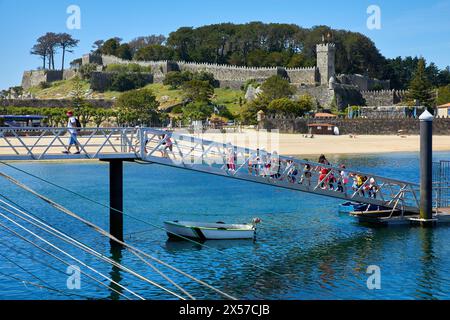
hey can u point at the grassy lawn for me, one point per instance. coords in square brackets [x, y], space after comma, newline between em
[229, 98]
[57, 90]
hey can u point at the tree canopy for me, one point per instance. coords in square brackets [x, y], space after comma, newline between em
[137, 107]
[47, 46]
[261, 44]
[198, 91]
[276, 87]
[420, 86]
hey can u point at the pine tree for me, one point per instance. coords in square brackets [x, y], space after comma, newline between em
[420, 88]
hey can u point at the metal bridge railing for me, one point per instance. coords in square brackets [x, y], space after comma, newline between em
[269, 168]
[49, 143]
[188, 152]
[441, 184]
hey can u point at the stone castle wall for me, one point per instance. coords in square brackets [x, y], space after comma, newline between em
[364, 83]
[359, 126]
[227, 75]
[303, 76]
[36, 77]
[322, 94]
[383, 97]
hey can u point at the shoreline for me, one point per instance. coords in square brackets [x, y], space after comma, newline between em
[297, 145]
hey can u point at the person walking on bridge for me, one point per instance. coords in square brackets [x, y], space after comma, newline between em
[72, 126]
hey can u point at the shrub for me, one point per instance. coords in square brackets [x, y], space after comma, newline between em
[206, 76]
[130, 67]
[276, 87]
[177, 109]
[176, 79]
[248, 114]
[197, 90]
[127, 81]
[251, 82]
[44, 85]
[137, 107]
[287, 107]
[87, 69]
[197, 111]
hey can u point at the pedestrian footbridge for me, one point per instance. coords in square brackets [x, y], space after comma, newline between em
[223, 159]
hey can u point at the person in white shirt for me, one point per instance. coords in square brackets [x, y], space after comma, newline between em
[73, 130]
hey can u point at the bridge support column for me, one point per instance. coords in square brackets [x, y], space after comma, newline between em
[426, 168]
[116, 195]
[116, 199]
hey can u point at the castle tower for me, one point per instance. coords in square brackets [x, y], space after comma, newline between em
[326, 53]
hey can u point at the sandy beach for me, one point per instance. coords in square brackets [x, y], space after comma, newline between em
[297, 144]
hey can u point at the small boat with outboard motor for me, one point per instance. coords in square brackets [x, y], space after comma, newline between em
[210, 231]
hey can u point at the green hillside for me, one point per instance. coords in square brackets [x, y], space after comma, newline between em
[166, 96]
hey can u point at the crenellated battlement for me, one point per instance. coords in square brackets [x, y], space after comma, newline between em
[325, 46]
[227, 75]
[383, 97]
[382, 92]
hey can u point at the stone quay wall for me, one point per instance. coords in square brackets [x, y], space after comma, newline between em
[359, 126]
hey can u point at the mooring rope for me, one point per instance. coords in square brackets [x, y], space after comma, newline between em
[25, 282]
[4, 244]
[108, 235]
[66, 238]
[133, 217]
[85, 247]
[67, 254]
[46, 284]
[58, 258]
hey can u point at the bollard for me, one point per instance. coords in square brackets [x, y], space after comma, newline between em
[426, 167]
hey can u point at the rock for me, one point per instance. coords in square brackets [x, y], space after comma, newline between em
[331, 83]
[252, 93]
[164, 99]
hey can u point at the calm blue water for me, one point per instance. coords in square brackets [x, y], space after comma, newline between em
[316, 253]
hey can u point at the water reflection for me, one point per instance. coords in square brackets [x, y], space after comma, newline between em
[428, 276]
[176, 246]
[115, 274]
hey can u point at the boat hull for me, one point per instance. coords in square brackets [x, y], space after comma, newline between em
[177, 230]
[348, 207]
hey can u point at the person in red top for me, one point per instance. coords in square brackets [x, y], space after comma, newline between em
[323, 171]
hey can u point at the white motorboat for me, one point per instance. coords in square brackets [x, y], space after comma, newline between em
[210, 231]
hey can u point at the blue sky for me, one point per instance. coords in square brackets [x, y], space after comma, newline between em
[411, 27]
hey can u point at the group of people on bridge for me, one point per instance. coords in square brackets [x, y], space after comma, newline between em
[304, 173]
